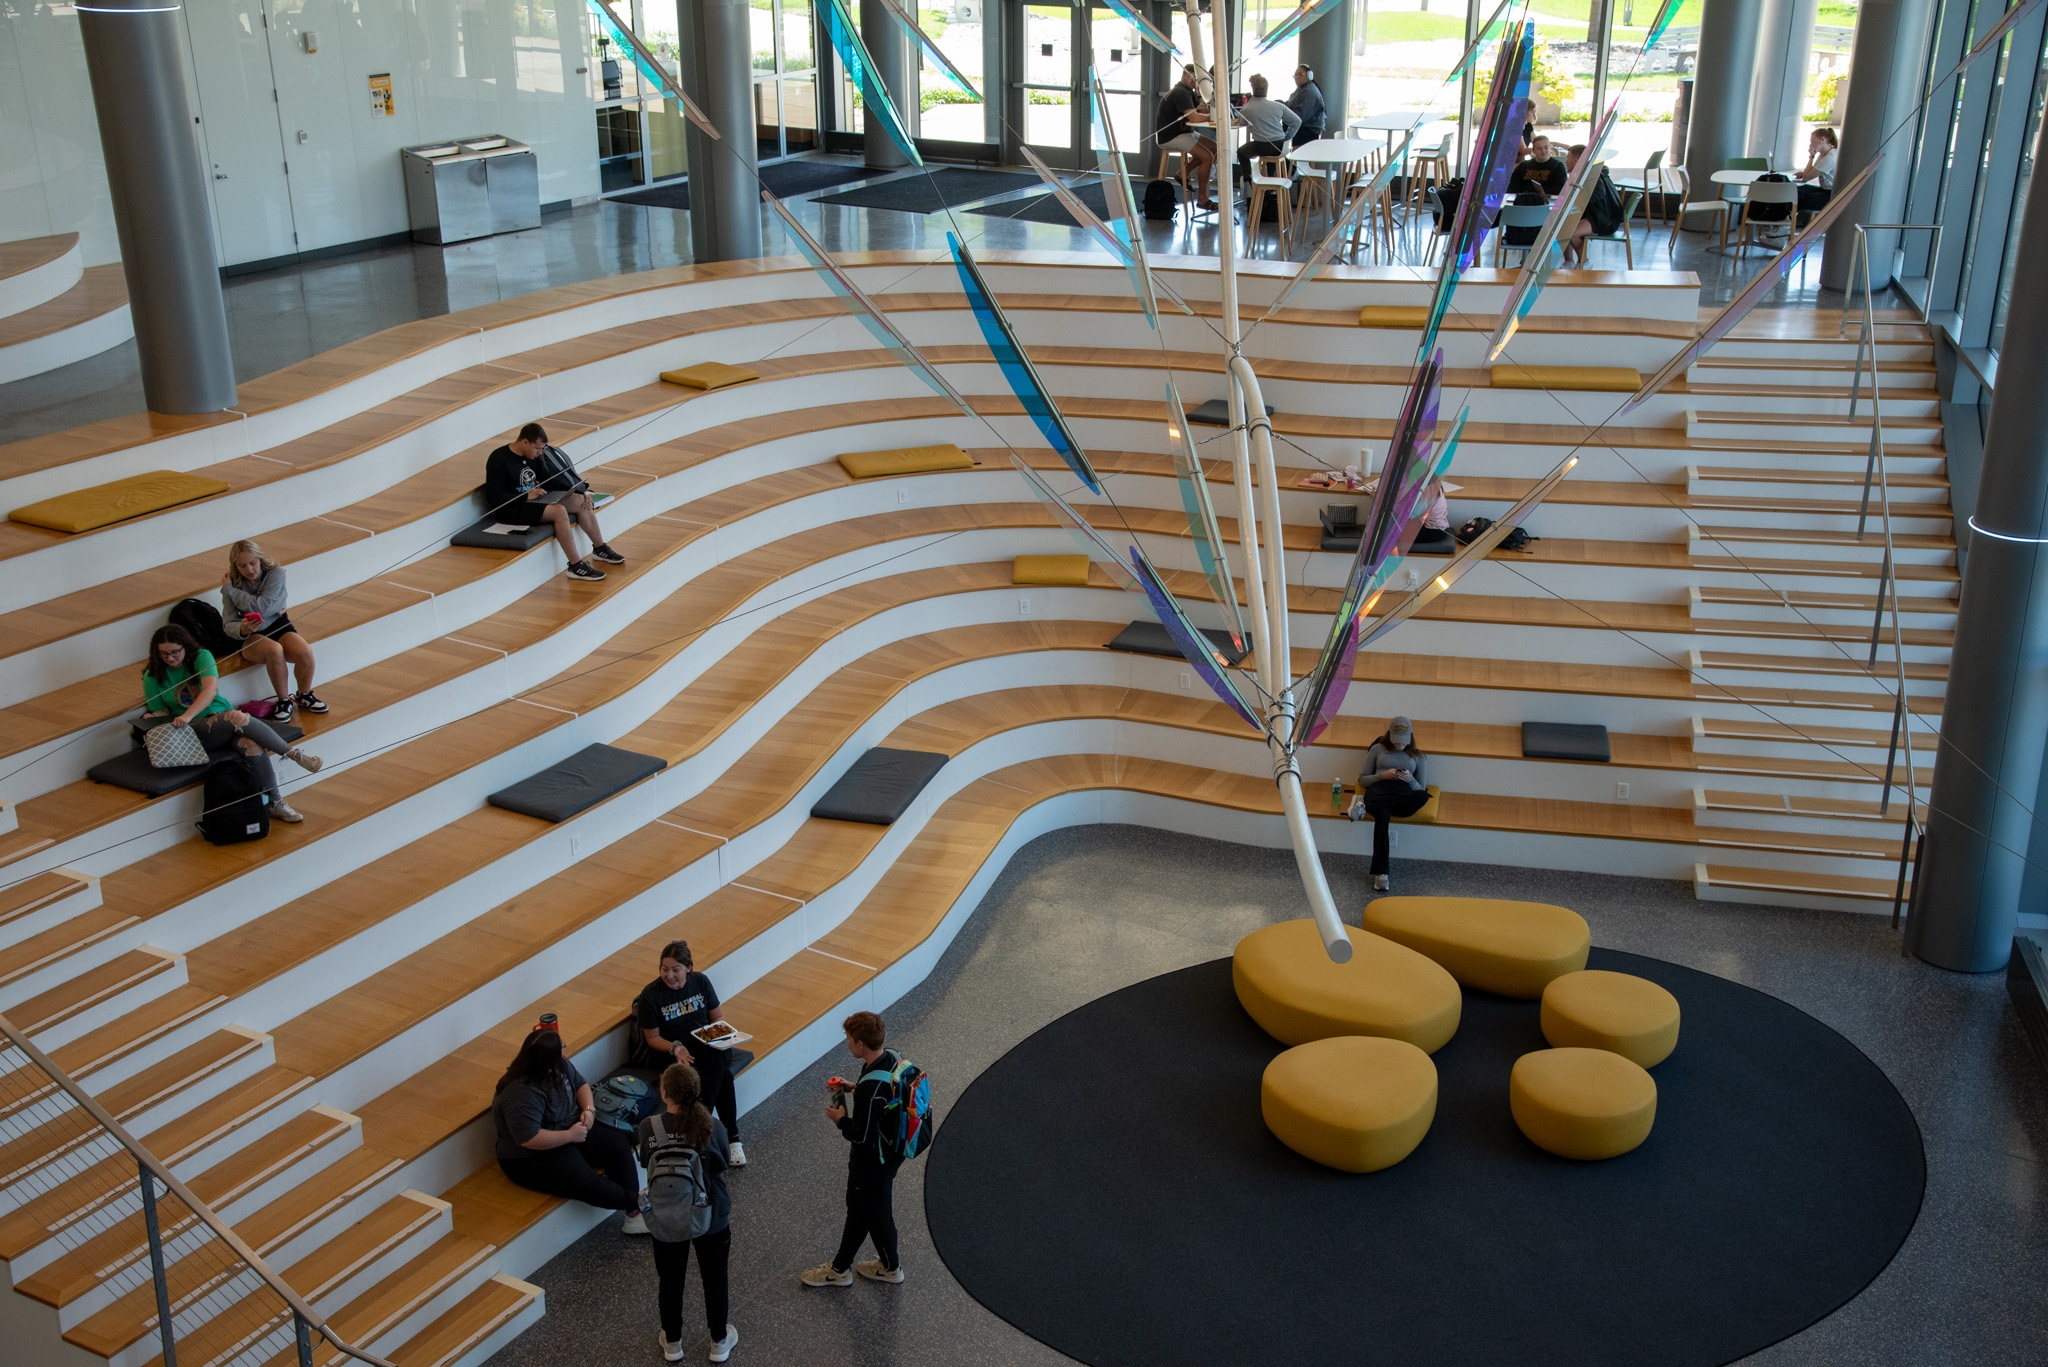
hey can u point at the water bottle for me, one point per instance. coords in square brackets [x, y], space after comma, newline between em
[1336, 794]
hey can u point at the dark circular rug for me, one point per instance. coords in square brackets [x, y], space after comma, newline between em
[1109, 1188]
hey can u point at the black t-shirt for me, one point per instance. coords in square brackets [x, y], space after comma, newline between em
[1174, 110]
[527, 1107]
[1547, 176]
[676, 1011]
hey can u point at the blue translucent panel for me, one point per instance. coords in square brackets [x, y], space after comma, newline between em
[863, 307]
[931, 49]
[1545, 254]
[644, 62]
[860, 69]
[1145, 27]
[1194, 647]
[1085, 536]
[1017, 369]
[1201, 511]
[1122, 204]
[1487, 33]
[1299, 19]
[1661, 22]
[1494, 144]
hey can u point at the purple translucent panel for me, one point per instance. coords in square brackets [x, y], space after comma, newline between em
[1506, 108]
[1201, 511]
[1193, 646]
[1017, 369]
[1333, 244]
[1085, 536]
[931, 49]
[1331, 696]
[1753, 293]
[859, 67]
[1544, 255]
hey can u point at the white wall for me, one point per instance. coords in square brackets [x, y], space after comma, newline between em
[457, 67]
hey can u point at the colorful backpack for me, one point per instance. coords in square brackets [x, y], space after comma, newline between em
[905, 1096]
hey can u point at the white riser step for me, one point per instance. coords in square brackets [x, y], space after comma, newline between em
[1761, 433]
[39, 284]
[1722, 537]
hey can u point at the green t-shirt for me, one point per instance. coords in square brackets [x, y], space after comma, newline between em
[180, 686]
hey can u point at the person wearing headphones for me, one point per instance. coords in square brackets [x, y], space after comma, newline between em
[1307, 103]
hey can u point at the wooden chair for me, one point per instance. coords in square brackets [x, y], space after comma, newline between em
[1428, 168]
[1269, 181]
[1687, 206]
[1766, 192]
[1626, 237]
[1516, 216]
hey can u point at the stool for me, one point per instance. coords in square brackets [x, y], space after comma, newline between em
[1618, 1012]
[1513, 948]
[1582, 1103]
[1269, 181]
[1353, 1102]
[1286, 982]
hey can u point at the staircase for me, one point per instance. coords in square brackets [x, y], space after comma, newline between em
[54, 309]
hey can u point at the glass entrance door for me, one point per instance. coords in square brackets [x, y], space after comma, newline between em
[1054, 84]
[1119, 61]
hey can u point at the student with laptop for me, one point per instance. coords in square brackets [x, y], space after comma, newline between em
[528, 482]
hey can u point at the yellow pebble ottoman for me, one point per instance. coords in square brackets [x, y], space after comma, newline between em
[1582, 1103]
[1286, 982]
[1354, 1103]
[1618, 1012]
[1513, 948]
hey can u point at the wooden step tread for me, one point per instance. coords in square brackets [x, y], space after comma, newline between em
[1885, 673]
[1846, 477]
[473, 1319]
[89, 989]
[1813, 600]
[99, 291]
[1795, 804]
[1732, 728]
[33, 894]
[1873, 543]
[384, 1306]
[1794, 881]
[25, 254]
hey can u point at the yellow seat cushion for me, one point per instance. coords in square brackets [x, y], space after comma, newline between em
[104, 504]
[1513, 948]
[710, 375]
[1286, 982]
[1071, 570]
[1618, 1012]
[909, 460]
[1354, 1102]
[1618, 379]
[1393, 316]
[1582, 1103]
[1425, 815]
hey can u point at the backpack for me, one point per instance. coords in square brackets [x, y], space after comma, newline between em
[560, 472]
[202, 619]
[1603, 210]
[1162, 199]
[904, 1129]
[1471, 530]
[678, 1196]
[236, 801]
[1770, 213]
[623, 1100]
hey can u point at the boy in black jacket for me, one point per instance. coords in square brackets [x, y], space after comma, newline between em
[870, 1168]
[526, 486]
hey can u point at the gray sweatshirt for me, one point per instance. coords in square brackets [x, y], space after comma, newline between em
[1269, 120]
[1380, 757]
[267, 598]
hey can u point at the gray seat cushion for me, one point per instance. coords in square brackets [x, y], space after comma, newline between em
[1216, 412]
[1564, 740]
[478, 534]
[1150, 638]
[880, 786]
[131, 769]
[578, 783]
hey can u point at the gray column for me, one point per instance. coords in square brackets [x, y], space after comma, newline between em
[1888, 68]
[1720, 89]
[718, 73]
[889, 44]
[1326, 47]
[134, 59]
[1987, 775]
[1784, 42]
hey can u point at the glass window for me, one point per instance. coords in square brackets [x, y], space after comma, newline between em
[2028, 148]
[1119, 61]
[1981, 157]
[1048, 75]
[945, 111]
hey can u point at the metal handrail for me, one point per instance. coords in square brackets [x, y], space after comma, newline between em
[307, 1320]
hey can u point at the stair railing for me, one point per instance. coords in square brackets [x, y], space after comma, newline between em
[1874, 470]
[88, 1181]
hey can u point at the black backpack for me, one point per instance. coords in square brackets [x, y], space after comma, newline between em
[1769, 213]
[1447, 196]
[1162, 199]
[202, 619]
[237, 803]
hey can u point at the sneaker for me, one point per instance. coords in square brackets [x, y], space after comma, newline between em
[739, 1154]
[873, 1270]
[281, 709]
[824, 1274]
[672, 1351]
[722, 1349]
[280, 810]
[1380, 883]
[607, 554]
[1357, 809]
[582, 570]
[636, 1223]
[310, 763]
[308, 703]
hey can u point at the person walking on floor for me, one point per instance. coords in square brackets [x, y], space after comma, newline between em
[685, 1152]
[1390, 785]
[678, 1002]
[872, 1164]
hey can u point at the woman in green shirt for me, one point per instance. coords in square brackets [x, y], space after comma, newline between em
[181, 687]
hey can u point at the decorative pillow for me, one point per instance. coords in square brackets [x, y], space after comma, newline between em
[173, 747]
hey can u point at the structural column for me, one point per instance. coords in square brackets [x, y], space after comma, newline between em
[1886, 73]
[889, 44]
[135, 62]
[1326, 48]
[1720, 88]
[718, 73]
[1987, 774]
[1784, 43]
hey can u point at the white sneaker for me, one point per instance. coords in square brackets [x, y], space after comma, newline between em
[672, 1351]
[824, 1274]
[739, 1156]
[1380, 882]
[722, 1349]
[873, 1270]
[636, 1223]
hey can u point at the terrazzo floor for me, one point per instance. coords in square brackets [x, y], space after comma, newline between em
[1090, 909]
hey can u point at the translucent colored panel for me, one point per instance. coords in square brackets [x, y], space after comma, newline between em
[1201, 511]
[860, 71]
[864, 308]
[1333, 244]
[1145, 27]
[1506, 108]
[644, 61]
[1122, 204]
[1301, 18]
[931, 49]
[1662, 22]
[1017, 369]
[1085, 536]
[1545, 253]
[1487, 33]
[1193, 646]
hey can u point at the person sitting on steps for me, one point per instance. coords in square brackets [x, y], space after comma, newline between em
[181, 687]
[674, 1004]
[548, 1136]
[529, 483]
[1390, 785]
[252, 610]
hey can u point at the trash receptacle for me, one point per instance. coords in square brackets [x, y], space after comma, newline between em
[471, 187]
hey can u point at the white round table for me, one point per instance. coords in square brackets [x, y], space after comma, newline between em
[1328, 155]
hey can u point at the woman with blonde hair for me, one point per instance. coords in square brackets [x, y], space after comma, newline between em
[252, 608]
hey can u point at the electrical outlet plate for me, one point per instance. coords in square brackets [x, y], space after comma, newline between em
[1023, 607]
[1186, 680]
[575, 845]
[1621, 792]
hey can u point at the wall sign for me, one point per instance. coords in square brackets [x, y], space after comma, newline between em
[380, 96]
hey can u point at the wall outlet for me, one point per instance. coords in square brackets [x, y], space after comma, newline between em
[903, 495]
[1023, 607]
[575, 845]
[1621, 792]
[1187, 680]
